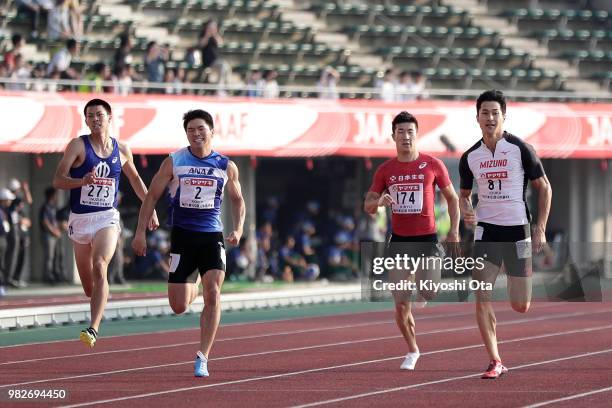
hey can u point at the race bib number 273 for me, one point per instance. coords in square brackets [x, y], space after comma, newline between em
[101, 193]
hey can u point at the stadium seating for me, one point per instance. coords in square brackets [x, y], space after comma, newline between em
[444, 42]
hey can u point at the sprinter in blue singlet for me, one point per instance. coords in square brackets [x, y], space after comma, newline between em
[91, 169]
[196, 177]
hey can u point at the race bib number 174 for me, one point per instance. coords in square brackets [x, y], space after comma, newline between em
[408, 198]
[198, 193]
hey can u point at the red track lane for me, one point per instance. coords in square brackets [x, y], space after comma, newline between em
[247, 338]
[347, 381]
[600, 400]
[340, 382]
[229, 344]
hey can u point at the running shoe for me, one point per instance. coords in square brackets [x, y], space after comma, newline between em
[410, 361]
[495, 370]
[89, 336]
[201, 365]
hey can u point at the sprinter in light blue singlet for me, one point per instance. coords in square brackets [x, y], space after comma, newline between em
[196, 191]
[91, 169]
[196, 177]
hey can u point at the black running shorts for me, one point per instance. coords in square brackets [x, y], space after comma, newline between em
[192, 251]
[415, 246]
[510, 245]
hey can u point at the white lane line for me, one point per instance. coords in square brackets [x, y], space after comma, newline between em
[463, 377]
[284, 333]
[471, 327]
[195, 328]
[428, 317]
[257, 336]
[441, 315]
[569, 398]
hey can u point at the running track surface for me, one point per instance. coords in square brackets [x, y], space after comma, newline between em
[558, 353]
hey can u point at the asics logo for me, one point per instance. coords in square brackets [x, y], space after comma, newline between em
[102, 169]
[422, 165]
[114, 160]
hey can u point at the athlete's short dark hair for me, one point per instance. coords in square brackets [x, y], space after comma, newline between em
[404, 117]
[198, 114]
[98, 102]
[492, 95]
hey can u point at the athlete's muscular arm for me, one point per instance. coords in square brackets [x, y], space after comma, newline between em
[452, 203]
[465, 204]
[147, 209]
[374, 200]
[127, 165]
[544, 199]
[73, 154]
[238, 207]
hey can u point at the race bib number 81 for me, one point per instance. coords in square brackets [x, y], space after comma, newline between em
[101, 193]
[408, 198]
[198, 193]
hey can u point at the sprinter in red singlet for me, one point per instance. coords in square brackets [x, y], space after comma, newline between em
[407, 184]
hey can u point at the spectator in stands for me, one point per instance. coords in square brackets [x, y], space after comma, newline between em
[58, 24]
[34, 9]
[239, 260]
[96, 78]
[76, 18]
[270, 212]
[209, 42]
[19, 239]
[117, 262]
[17, 43]
[62, 216]
[3, 74]
[53, 86]
[404, 89]
[6, 197]
[122, 81]
[154, 265]
[270, 89]
[174, 86]
[193, 57]
[123, 55]
[38, 75]
[21, 73]
[49, 233]
[327, 83]
[342, 259]
[292, 263]
[62, 59]
[419, 85]
[386, 86]
[155, 62]
[266, 263]
[179, 80]
[254, 84]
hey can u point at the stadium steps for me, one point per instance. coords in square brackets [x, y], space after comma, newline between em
[514, 39]
[299, 14]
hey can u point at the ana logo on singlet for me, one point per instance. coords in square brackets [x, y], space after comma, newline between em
[102, 169]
